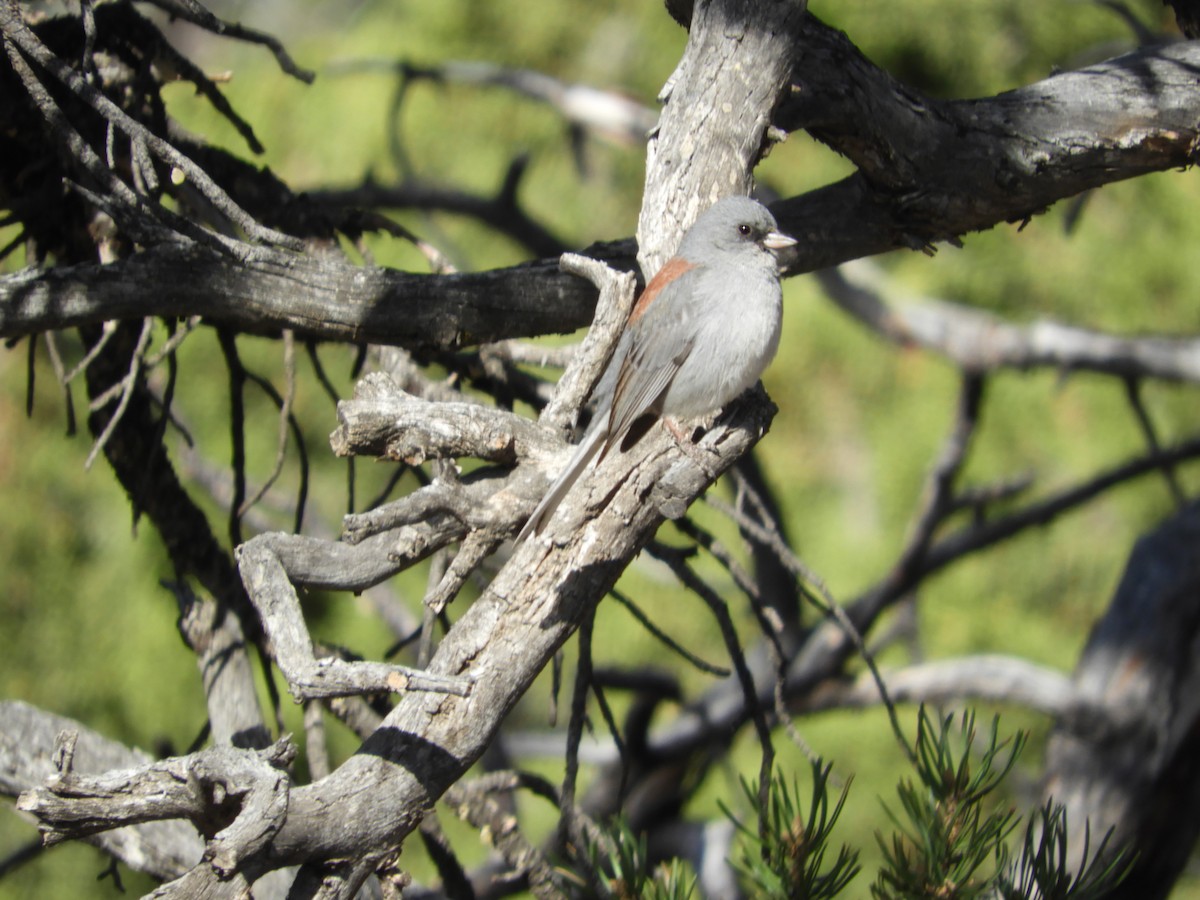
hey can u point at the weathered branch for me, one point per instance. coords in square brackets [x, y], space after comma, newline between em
[989, 678]
[980, 342]
[1139, 109]
[616, 296]
[499, 212]
[383, 421]
[608, 114]
[18, 33]
[326, 299]
[27, 738]
[215, 635]
[504, 639]
[309, 677]
[933, 170]
[929, 171]
[737, 62]
[1140, 667]
[827, 647]
[200, 787]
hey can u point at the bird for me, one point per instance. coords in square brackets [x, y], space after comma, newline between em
[704, 329]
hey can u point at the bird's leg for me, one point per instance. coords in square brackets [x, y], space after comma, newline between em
[683, 440]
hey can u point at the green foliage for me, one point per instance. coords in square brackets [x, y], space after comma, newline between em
[1044, 871]
[622, 854]
[786, 859]
[946, 836]
[952, 837]
[951, 828]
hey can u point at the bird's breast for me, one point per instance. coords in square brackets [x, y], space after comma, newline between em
[736, 339]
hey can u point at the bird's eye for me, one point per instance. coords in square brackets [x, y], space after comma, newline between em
[744, 229]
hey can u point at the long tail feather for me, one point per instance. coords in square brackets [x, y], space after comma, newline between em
[583, 455]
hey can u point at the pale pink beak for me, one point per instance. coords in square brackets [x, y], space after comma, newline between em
[777, 240]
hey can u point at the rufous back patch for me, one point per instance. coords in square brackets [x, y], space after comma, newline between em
[675, 267]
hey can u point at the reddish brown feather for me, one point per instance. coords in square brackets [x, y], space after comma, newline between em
[674, 267]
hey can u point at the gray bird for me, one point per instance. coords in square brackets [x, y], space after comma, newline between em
[702, 332]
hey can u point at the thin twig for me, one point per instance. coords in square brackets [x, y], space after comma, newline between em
[285, 414]
[128, 385]
[814, 590]
[610, 722]
[30, 374]
[172, 343]
[476, 547]
[571, 832]
[237, 430]
[720, 611]
[20, 35]
[647, 623]
[147, 222]
[193, 12]
[768, 621]
[56, 363]
[1133, 392]
[938, 495]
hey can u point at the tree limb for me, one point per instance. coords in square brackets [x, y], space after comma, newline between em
[981, 342]
[1140, 110]
[27, 737]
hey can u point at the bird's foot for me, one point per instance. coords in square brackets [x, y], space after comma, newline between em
[683, 440]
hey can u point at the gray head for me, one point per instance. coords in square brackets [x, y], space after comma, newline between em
[735, 225]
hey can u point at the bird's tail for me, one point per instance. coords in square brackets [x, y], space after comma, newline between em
[584, 453]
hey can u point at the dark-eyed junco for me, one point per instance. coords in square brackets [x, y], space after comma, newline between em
[700, 334]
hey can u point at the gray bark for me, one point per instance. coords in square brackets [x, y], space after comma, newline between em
[1132, 769]
[27, 740]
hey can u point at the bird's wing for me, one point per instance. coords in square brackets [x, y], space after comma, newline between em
[662, 334]
[641, 384]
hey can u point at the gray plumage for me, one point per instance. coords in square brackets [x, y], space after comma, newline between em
[702, 332]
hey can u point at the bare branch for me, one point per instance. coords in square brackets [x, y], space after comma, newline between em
[309, 677]
[17, 32]
[475, 802]
[608, 113]
[588, 364]
[195, 13]
[984, 677]
[27, 737]
[194, 787]
[745, 79]
[932, 170]
[533, 604]
[499, 211]
[1134, 394]
[981, 342]
[939, 496]
[216, 637]
[383, 421]
[122, 390]
[476, 547]
[316, 298]
[1140, 670]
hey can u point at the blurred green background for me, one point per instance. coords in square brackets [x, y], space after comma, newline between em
[87, 632]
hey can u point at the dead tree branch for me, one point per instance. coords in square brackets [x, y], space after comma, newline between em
[979, 341]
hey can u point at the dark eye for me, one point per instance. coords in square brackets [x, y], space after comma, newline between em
[744, 230]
